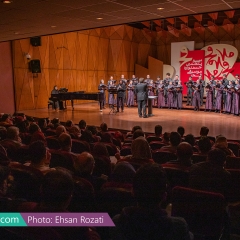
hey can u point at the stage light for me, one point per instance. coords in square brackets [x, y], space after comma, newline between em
[6, 1]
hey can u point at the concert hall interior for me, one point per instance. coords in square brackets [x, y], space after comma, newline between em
[79, 75]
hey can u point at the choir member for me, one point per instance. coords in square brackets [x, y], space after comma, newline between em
[178, 97]
[213, 82]
[228, 104]
[166, 83]
[111, 98]
[224, 83]
[134, 80]
[130, 91]
[209, 97]
[161, 97]
[196, 102]
[219, 96]
[111, 80]
[202, 86]
[148, 79]
[170, 96]
[235, 101]
[124, 80]
[189, 85]
[175, 80]
[121, 88]
[167, 79]
[102, 87]
[151, 88]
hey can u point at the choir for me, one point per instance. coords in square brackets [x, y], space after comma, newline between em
[221, 95]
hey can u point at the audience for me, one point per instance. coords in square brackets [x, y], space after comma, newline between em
[12, 141]
[204, 145]
[36, 133]
[147, 220]
[175, 140]
[189, 138]
[59, 130]
[138, 133]
[181, 131]
[6, 120]
[221, 143]
[166, 138]
[82, 125]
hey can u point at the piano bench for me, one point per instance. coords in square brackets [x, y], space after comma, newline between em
[50, 104]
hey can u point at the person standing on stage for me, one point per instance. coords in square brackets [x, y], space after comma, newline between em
[102, 87]
[148, 79]
[141, 91]
[189, 85]
[111, 98]
[178, 96]
[196, 102]
[235, 101]
[176, 80]
[224, 83]
[111, 80]
[228, 104]
[170, 96]
[213, 83]
[130, 97]
[219, 96]
[121, 88]
[161, 98]
[209, 97]
[151, 88]
[202, 86]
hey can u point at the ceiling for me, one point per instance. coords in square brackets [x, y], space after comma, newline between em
[28, 18]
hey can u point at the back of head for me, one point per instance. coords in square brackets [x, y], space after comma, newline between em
[166, 136]
[184, 151]
[60, 129]
[190, 139]
[42, 123]
[106, 137]
[138, 133]
[33, 128]
[69, 123]
[141, 149]
[100, 149]
[204, 131]
[135, 128]
[37, 151]
[4, 117]
[93, 129]
[175, 138]
[104, 127]
[123, 172]
[204, 145]
[87, 136]
[65, 140]
[221, 141]
[141, 80]
[181, 131]
[12, 133]
[149, 184]
[57, 188]
[84, 163]
[158, 130]
[217, 157]
[82, 124]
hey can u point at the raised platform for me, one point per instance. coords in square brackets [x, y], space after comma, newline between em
[170, 119]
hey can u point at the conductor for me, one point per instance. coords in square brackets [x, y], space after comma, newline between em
[141, 91]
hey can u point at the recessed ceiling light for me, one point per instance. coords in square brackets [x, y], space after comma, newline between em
[6, 1]
[99, 18]
[53, 26]
[160, 8]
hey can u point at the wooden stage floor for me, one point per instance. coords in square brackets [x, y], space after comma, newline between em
[227, 125]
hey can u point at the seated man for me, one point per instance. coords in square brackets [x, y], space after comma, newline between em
[56, 104]
[175, 140]
[147, 220]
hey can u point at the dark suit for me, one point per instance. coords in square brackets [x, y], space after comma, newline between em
[141, 91]
[121, 88]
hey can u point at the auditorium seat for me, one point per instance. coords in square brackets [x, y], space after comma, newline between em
[112, 149]
[50, 132]
[196, 158]
[154, 145]
[203, 211]
[153, 138]
[233, 191]
[52, 142]
[126, 150]
[102, 166]
[235, 147]
[163, 156]
[232, 162]
[59, 159]
[79, 146]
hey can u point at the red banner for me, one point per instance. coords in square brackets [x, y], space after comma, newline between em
[192, 64]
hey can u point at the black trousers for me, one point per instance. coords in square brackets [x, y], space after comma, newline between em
[142, 107]
[120, 102]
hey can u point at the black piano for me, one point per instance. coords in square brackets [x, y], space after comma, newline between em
[63, 96]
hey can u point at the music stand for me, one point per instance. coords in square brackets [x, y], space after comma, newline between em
[150, 107]
[113, 108]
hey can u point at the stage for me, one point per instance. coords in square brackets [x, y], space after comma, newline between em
[170, 119]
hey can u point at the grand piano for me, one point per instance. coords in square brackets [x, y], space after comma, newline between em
[63, 96]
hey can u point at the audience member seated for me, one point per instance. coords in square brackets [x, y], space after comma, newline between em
[121, 177]
[204, 133]
[4, 160]
[66, 143]
[181, 132]
[184, 154]
[69, 124]
[138, 133]
[94, 132]
[57, 190]
[189, 138]
[211, 175]
[42, 123]
[13, 142]
[40, 157]
[135, 128]
[204, 145]
[103, 129]
[147, 220]
[157, 134]
[6, 120]
[36, 133]
[59, 130]
[87, 137]
[141, 153]
[24, 134]
[75, 132]
[55, 123]
[102, 160]
[175, 140]
[82, 125]
[3, 133]
[221, 143]
[84, 166]
[166, 138]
